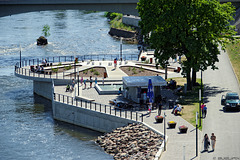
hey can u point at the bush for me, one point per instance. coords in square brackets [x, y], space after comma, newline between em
[96, 73]
[112, 15]
[54, 70]
[85, 71]
[141, 69]
[92, 70]
[59, 64]
[68, 67]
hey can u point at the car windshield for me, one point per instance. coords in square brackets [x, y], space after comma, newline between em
[232, 97]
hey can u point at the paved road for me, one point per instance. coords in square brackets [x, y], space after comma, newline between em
[225, 125]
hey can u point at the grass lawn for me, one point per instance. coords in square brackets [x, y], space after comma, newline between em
[189, 101]
[233, 51]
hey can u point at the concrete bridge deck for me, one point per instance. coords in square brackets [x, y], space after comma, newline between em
[10, 7]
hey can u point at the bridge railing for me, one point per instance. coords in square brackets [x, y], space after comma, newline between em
[102, 108]
[56, 62]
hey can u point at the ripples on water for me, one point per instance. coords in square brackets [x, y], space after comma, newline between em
[28, 130]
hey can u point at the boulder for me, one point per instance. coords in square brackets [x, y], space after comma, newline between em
[42, 41]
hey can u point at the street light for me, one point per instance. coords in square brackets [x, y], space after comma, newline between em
[20, 56]
[166, 71]
[164, 131]
[200, 98]
[196, 134]
[121, 48]
[78, 83]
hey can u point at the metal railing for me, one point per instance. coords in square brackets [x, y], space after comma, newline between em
[60, 59]
[107, 109]
[96, 57]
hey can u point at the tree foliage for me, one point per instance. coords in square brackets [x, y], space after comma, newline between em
[193, 28]
[46, 30]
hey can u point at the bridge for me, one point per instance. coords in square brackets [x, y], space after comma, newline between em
[10, 7]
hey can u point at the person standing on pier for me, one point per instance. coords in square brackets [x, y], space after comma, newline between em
[115, 63]
[73, 84]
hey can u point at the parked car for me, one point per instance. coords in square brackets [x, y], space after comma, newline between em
[231, 100]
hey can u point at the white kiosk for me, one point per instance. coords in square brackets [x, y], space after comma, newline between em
[135, 86]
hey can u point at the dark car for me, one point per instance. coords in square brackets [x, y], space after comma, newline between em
[231, 100]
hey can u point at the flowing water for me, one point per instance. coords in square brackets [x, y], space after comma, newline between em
[27, 128]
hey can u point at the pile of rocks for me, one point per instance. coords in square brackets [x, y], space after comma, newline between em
[134, 141]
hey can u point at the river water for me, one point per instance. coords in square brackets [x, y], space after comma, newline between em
[27, 128]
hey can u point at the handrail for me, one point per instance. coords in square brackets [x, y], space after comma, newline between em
[98, 107]
[98, 57]
[61, 59]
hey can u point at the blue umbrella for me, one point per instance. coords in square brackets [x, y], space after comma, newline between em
[150, 91]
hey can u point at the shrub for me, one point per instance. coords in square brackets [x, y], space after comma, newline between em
[85, 71]
[92, 70]
[68, 67]
[54, 70]
[59, 64]
[141, 69]
[96, 73]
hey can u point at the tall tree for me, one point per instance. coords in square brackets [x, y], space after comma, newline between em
[193, 28]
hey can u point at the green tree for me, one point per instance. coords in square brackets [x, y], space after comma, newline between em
[45, 30]
[193, 28]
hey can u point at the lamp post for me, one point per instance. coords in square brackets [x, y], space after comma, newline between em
[164, 131]
[196, 134]
[20, 56]
[200, 98]
[201, 82]
[74, 67]
[78, 83]
[121, 48]
[166, 71]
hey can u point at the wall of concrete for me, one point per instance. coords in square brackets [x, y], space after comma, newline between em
[131, 20]
[43, 89]
[121, 33]
[87, 118]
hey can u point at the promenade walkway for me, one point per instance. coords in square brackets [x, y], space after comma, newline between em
[225, 125]
[178, 145]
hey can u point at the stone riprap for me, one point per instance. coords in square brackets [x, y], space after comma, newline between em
[134, 141]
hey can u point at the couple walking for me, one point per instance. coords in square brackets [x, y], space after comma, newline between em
[207, 142]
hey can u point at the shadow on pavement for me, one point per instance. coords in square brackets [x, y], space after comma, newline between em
[212, 91]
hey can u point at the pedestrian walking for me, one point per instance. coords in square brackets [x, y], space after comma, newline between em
[213, 141]
[81, 80]
[73, 84]
[206, 142]
[159, 108]
[149, 108]
[204, 111]
[115, 63]
[85, 84]
[202, 106]
[95, 81]
[91, 81]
